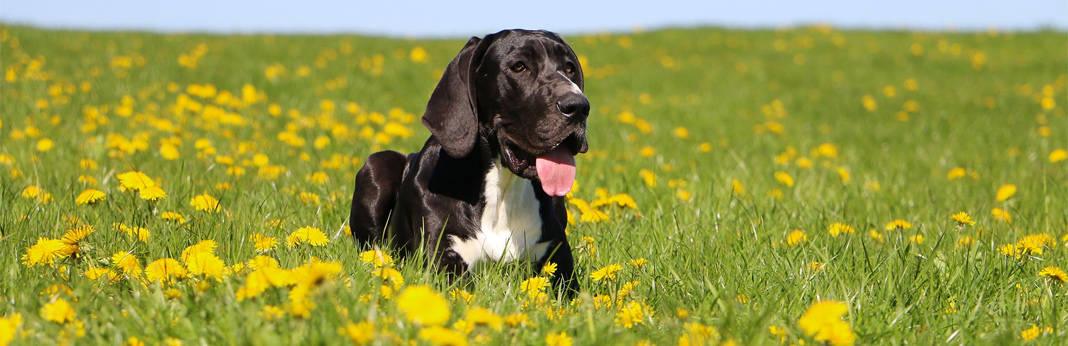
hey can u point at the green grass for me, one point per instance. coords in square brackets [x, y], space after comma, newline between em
[719, 257]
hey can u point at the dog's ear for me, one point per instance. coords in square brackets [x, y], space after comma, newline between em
[451, 113]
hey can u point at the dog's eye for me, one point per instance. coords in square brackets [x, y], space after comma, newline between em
[519, 67]
[569, 67]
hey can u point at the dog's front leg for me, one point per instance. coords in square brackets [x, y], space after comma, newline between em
[564, 277]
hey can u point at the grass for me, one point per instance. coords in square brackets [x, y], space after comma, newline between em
[700, 127]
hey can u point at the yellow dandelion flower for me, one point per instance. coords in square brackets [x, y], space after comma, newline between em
[263, 243]
[125, 260]
[1005, 192]
[208, 265]
[518, 319]
[606, 273]
[956, 173]
[32, 192]
[876, 236]
[638, 262]
[1031, 333]
[1054, 273]
[549, 268]
[359, 333]
[46, 251]
[823, 321]
[534, 286]
[89, 196]
[205, 202]
[963, 219]
[8, 326]
[96, 273]
[423, 305]
[204, 246]
[134, 180]
[558, 339]
[784, 178]
[391, 275]
[796, 236]
[1058, 155]
[898, 224]
[484, 317]
[172, 216]
[648, 177]
[75, 235]
[442, 336]
[838, 228]
[918, 239]
[307, 235]
[152, 193]
[165, 269]
[58, 311]
[45, 144]
[630, 314]
[1001, 215]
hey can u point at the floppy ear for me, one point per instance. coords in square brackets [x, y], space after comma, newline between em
[450, 114]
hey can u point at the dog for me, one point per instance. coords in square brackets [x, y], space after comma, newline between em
[506, 120]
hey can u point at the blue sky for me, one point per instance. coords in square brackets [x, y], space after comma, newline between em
[464, 17]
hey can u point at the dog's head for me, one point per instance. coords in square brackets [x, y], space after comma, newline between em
[522, 91]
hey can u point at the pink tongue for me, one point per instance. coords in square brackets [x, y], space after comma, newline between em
[556, 170]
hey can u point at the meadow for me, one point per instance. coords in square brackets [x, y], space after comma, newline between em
[800, 186]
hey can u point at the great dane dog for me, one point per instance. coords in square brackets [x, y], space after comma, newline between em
[506, 120]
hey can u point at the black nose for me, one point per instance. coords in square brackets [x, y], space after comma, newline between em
[574, 106]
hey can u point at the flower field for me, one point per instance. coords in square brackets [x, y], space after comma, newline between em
[804, 186]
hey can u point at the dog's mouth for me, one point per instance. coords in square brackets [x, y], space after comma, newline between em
[554, 167]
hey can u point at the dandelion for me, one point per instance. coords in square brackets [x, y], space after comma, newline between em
[648, 177]
[876, 236]
[1053, 273]
[631, 314]
[172, 216]
[1058, 155]
[1001, 215]
[46, 251]
[638, 262]
[442, 336]
[89, 196]
[129, 263]
[956, 173]
[423, 305]
[558, 339]
[208, 265]
[205, 202]
[1031, 333]
[606, 273]
[534, 286]
[58, 311]
[795, 237]
[45, 144]
[307, 235]
[823, 321]
[164, 270]
[8, 326]
[359, 333]
[263, 243]
[963, 219]
[838, 228]
[898, 225]
[1005, 192]
[152, 193]
[549, 268]
[135, 180]
[918, 239]
[378, 258]
[480, 316]
[784, 178]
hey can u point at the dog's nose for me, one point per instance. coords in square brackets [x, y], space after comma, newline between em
[574, 106]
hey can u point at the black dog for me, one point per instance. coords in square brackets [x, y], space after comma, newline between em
[507, 119]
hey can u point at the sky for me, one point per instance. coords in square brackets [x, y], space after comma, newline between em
[459, 18]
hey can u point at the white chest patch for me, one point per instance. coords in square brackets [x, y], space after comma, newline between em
[510, 225]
